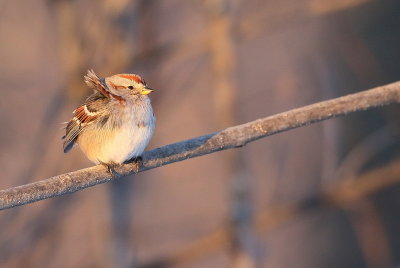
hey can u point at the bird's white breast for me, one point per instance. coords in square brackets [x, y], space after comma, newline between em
[128, 142]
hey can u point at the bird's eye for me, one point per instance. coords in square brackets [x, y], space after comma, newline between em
[130, 87]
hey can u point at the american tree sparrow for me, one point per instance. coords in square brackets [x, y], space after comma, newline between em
[115, 123]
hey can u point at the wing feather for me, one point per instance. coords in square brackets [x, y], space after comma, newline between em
[84, 115]
[72, 131]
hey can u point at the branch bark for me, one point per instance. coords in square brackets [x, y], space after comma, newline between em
[232, 137]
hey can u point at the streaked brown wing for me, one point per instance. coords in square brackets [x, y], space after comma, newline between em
[84, 115]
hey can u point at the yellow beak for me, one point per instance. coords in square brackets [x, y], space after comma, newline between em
[146, 91]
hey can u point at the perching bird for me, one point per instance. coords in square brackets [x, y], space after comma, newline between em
[115, 123]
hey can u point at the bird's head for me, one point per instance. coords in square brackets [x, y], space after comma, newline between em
[127, 84]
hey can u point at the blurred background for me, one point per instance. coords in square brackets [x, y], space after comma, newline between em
[326, 195]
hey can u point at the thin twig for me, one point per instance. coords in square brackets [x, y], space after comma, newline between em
[229, 138]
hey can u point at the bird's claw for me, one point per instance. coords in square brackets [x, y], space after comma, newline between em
[138, 161]
[111, 169]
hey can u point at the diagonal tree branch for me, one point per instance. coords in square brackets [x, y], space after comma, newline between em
[229, 138]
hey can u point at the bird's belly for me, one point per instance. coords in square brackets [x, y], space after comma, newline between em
[126, 144]
[119, 145]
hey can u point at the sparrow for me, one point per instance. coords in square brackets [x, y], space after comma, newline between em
[115, 123]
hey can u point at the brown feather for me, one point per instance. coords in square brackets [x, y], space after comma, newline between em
[115, 86]
[82, 116]
[79, 121]
[133, 77]
[93, 81]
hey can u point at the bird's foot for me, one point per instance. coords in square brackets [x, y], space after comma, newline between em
[137, 162]
[111, 169]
